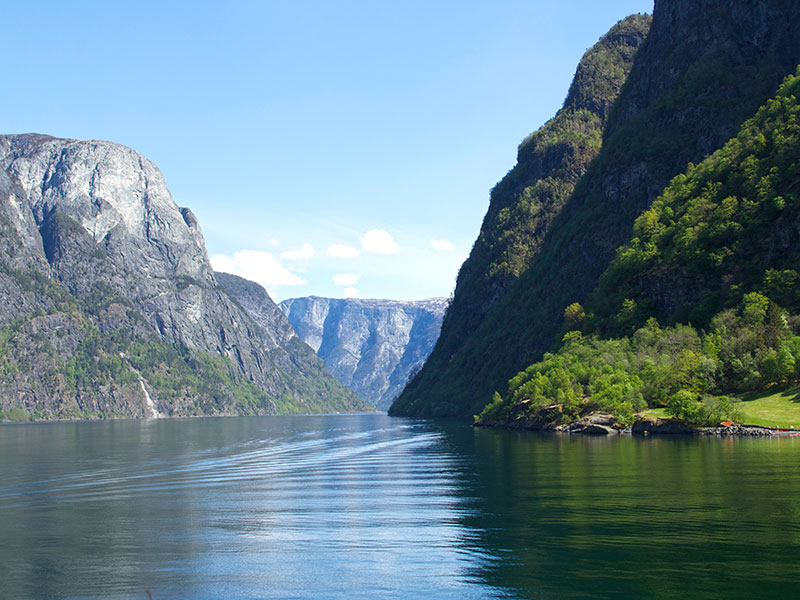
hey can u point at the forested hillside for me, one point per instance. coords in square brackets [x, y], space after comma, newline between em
[719, 251]
[550, 161]
[704, 68]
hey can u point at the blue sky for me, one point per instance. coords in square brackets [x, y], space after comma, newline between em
[331, 148]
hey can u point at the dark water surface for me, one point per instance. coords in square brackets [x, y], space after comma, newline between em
[366, 506]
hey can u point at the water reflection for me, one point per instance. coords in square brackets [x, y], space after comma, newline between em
[353, 506]
[368, 507]
[578, 517]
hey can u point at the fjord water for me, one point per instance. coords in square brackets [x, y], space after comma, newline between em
[367, 506]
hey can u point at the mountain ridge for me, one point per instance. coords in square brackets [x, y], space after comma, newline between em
[679, 103]
[550, 161]
[370, 345]
[111, 302]
[701, 302]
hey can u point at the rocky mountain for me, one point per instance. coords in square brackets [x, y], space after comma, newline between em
[372, 346]
[704, 67]
[111, 305]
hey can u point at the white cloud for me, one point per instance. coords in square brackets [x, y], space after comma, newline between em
[442, 245]
[345, 279]
[274, 243]
[350, 292]
[256, 265]
[379, 241]
[304, 252]
[342, 251]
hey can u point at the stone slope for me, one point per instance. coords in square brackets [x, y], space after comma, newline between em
[704, 68]
[372, 346]
[101, 252]
[301, 369]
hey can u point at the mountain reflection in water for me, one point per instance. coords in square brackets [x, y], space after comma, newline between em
[367, 506]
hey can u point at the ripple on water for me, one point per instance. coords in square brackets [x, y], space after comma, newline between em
[366, 506]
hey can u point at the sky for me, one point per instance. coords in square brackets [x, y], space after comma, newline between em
[332, 148]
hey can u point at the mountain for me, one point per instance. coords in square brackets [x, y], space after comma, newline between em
[550, 161]
[716, 259]
[112, 308]
[704, 67]
[372, 346]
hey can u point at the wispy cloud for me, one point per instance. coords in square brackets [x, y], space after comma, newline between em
[442, 245]
[350, 292]
[342, 251]
[257, 265]
[304, 252]
[345, 279]
[379, 241]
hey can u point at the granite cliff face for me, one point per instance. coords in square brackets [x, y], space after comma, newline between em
[705, 67]
[372, 346]
[112, 308]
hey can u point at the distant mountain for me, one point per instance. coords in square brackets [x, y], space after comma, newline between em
[110, 305]
[372, 346]
[703, 68]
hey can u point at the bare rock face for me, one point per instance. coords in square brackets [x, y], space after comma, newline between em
[104, 215]
[372, 346]
[90, 229]
[256, 301]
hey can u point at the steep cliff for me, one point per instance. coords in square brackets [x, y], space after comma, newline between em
[717, 259]
[704, 67]
[112, 308]
[301, 369]
[550, 161]
[372, 346]
[726, 227]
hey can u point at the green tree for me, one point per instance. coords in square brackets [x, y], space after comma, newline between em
[574, 316]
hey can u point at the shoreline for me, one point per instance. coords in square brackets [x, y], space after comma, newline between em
[602, 424]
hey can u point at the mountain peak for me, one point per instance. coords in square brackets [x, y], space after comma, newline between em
[703, 69]
[98, 260]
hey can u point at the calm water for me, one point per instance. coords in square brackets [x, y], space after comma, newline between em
[371, 507]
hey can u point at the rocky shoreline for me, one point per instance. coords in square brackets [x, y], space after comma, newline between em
[606, 424]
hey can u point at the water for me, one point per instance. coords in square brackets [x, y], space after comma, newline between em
[365, 506]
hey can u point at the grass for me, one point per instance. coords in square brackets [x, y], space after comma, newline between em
[776, 407]
[656, 413]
